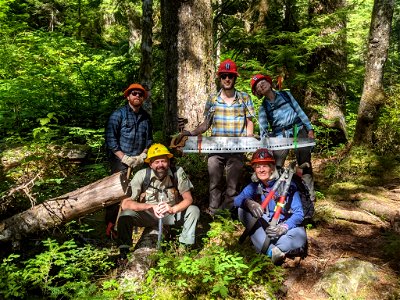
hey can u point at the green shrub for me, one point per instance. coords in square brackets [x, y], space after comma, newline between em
[222, 269]
[63, 270]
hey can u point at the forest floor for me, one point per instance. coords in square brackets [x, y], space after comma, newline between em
[366, 239]
[348, 231]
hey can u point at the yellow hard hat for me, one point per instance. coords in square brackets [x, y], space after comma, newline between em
[157, 150]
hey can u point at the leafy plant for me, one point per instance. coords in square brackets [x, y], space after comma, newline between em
[222, 269]
[62, 270]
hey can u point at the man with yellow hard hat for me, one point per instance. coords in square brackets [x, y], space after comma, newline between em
[158, 192]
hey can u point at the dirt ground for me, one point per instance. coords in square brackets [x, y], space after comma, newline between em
[331, 241]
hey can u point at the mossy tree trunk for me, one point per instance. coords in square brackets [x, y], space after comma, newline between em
[373, 95]
[189, 69]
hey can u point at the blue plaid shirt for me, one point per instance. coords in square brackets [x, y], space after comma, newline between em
[281, 115]
[128, 131]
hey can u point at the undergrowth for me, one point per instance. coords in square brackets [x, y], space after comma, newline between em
[222, 269]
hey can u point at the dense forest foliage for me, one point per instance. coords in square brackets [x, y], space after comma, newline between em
[64, 66]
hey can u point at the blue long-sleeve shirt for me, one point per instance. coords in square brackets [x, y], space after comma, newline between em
[281, 114]
[128, 131]
[292, 214]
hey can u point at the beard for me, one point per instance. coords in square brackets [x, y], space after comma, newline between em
[161, 172]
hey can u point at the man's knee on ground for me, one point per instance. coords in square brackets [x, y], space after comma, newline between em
[193, 211]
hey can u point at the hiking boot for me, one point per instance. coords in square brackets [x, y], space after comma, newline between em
[277, 256]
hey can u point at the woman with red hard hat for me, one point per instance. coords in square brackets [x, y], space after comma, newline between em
[281, 116]
[286, 238]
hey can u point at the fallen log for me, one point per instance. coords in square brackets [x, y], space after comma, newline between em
[140, 260]
[63, 209]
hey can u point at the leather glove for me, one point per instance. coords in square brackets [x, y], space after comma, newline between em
[134, 161]
[275, 232]
[254, 208]
[182, 134]
[176, 141]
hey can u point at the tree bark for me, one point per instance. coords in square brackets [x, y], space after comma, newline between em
[63, 209]
[189, 70]
[146, 63]
[373, 95]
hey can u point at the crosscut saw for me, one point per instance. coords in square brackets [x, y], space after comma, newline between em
[213, 144]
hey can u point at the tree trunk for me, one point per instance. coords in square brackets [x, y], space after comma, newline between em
[330, 63]
[146, 63]
[134, 26]
[63, 209]
[373, 96]
[189, 69]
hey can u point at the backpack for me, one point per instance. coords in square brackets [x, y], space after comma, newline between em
[307, 203]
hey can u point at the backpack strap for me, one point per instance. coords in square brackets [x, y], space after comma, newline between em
[146, 180]
[268, 109]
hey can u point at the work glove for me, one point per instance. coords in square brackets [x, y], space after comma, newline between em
[254, 208]
[134, 161]
[276, 231]
[181, 135]
[180, 140]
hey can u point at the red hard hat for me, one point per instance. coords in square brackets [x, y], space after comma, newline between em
[228, 66]
[135, 86]
[262, 155]
[256, 78]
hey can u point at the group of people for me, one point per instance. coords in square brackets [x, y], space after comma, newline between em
[159, 191]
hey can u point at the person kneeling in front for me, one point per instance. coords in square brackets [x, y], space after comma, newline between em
[288, 237]
[167, 196]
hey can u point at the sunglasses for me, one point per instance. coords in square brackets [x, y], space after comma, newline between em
[230, 76]
[137, 93]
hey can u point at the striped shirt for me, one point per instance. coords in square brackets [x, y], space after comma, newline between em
[281, 115]
[229, 119]
[128, 131]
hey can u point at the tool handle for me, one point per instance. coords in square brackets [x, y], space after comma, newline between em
[278, 210]
[270, 195]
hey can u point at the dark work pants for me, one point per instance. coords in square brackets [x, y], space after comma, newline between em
[112, 210]
[303, 155]
[218, 164]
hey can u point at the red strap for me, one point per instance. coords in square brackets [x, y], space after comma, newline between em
[199, 139]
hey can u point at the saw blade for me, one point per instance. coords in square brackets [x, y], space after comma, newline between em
[202, 144]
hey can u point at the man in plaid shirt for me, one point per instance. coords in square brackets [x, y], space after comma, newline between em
[128, 136]
[229, 113]
[232, 113]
